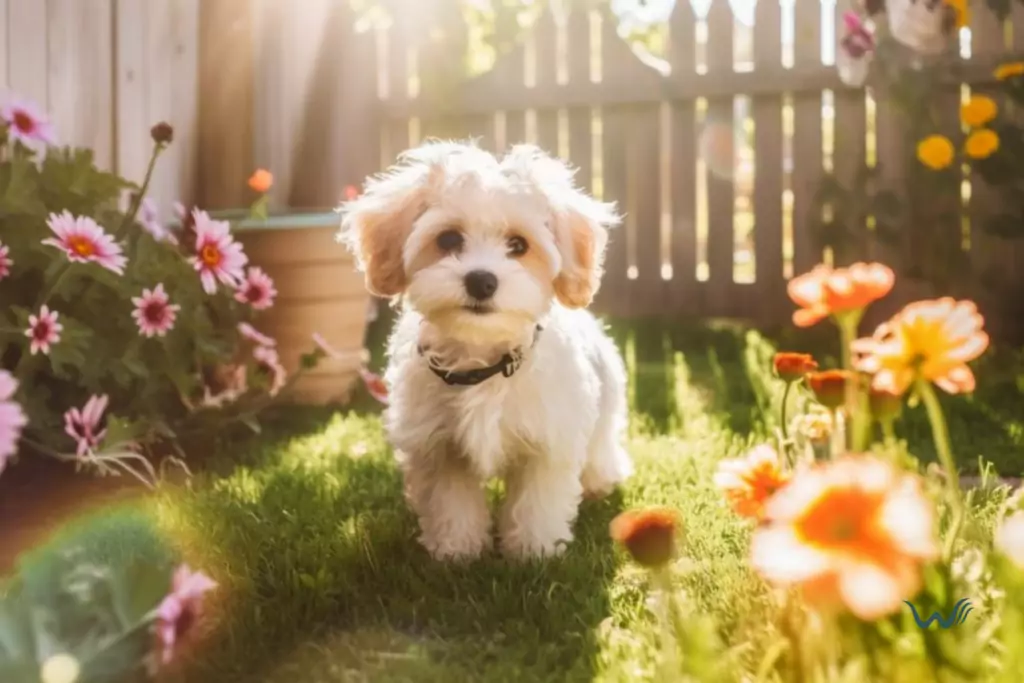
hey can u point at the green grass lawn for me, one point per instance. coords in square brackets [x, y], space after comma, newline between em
[322, 579]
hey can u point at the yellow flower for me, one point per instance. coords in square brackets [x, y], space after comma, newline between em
[1009, 70]
[935, 152]
[978, 111]
[981, 144]
[962, 12]
[930, 340]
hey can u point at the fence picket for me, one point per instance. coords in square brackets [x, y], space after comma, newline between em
[807, 138]
[720, 189]
[684, 295]
[581, 134]
[768, 167]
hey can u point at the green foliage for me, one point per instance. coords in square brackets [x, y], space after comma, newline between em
[155, 385]
[90, 594]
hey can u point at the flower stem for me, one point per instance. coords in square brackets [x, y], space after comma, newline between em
[133, 209]
[782, 417]
[940, 434]
[859, 427]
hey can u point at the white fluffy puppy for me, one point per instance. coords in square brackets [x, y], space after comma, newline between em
[494, 367]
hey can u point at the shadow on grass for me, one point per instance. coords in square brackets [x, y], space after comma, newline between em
[316, 547]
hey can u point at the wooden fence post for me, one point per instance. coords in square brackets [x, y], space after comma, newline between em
[224, 156]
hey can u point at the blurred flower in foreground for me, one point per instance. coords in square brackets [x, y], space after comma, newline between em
[181, 609]
[853, 532]
[930, 340]
[826, 291]
[791, 367]
[749, 482]
[829, 386]
[1009, 538]
[648, 535]
[856, 49]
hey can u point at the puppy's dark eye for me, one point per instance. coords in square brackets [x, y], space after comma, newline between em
[450, 240]
[517, 246]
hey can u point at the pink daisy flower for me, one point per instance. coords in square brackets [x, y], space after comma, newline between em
[181, 608]
[12, 418]
[84, 425]
[255, 336]
[375, 385]
[43, 330]
[154, 314]
[26, 123]
[257, 289]
[5, 261]
[84, 241]
[149, 218]
[269, 363]
[218, 256]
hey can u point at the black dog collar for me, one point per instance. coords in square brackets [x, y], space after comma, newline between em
[507, 367]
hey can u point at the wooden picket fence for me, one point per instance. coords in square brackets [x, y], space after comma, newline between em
[106, 71]
[714, 161]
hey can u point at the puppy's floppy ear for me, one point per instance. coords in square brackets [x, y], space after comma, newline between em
[376, 224]
[580, 223]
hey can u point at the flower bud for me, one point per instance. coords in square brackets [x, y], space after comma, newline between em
[791, 367]
[829, 386]
[648, 535]
[163, 133]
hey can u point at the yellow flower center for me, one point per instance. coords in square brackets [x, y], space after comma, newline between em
[81, 246]
[210, 255]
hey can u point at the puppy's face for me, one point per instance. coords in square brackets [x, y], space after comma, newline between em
[480, 248]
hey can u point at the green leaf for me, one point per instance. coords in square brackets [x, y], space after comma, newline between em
[1004, 226]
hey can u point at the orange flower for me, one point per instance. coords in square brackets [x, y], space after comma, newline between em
[648, 535]
[261, 180]
[748, 482]
[854, 532]
[829, 386]
[791, 367]
[824, 291]
[931, 340]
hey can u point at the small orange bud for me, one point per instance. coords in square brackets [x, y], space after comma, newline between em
[648, 535]
[829, 386]
[261, 181]
[351, 192]
[791, 367]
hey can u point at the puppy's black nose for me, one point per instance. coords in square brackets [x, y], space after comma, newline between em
[481, 284]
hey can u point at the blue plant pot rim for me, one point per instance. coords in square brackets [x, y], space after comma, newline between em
[297, 219]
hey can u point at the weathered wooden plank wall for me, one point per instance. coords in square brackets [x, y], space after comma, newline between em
[106, 71]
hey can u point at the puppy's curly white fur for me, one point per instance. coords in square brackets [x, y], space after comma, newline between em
[489, 258]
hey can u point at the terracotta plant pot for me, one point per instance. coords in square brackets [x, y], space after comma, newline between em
[318, 291]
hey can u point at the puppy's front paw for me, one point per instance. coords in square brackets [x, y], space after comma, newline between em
[461, 546]
[605, 471]
[524, 542]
